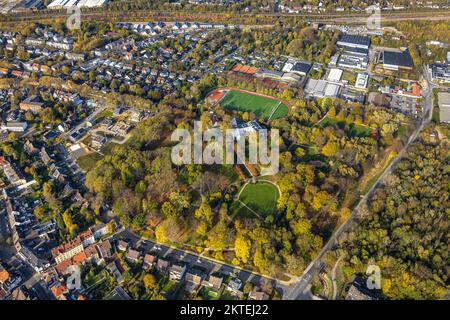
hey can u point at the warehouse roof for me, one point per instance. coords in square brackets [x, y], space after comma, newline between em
[444, 106]
[355, 39]
[302, 67]
[401, 59]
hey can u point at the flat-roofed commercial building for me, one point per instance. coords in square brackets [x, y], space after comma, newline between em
[352, 59]
[440, 72]
[394, 60]
[334, 75]
[354, 41]
[361, 80]
[322, 88]
[444, 106]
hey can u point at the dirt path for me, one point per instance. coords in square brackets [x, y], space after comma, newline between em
[333, 279]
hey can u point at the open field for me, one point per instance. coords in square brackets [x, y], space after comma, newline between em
[260, 197]
[262, 107]
[353, 130]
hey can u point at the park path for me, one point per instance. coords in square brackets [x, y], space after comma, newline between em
[333, 278]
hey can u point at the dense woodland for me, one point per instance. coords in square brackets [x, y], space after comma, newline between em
[405, 228]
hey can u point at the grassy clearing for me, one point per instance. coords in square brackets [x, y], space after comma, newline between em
[260, 197]
[348, 76]
[88, 162]
[238, 210]
[401, 131]
[352, 130]
[368, 181]
[262, 107]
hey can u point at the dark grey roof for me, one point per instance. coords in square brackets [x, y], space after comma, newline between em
[357, 50]
[401, 59]
[355, 39]
[301, 67]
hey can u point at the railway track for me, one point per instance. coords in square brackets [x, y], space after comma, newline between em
[223, 17]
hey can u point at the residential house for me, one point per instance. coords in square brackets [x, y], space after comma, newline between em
[59, 290]
[19, 294]
[257, 294]
[234, 286]
[214, 282]
[194, 279]
[122, 245]
[105, 249]
[30, 148]
[46, 157]
[70, 249]
[4, 275]
[112, 267]
[177, 271]
[133, 255]
[162, 265]
[32, 104]
[98, 141]
[119, 294]
[99, 230]
[150, 260]
[92, 254]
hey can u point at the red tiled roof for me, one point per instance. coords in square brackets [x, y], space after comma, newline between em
[90, 251]
[58, 290]
[61, 267]
[79, 258]
[71, 244]
[4, 275]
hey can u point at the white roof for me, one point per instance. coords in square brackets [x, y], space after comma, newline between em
[331, 90]
[75, 147]
[361, 80]
[335, 75]
[288, 66]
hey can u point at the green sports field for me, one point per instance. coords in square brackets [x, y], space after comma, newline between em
[262, 107]
[261, 197]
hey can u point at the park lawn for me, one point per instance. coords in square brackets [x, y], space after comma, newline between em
[401, 131]
[89, 161]
[260, 197]
[262, 107]
[353, 130]
[238, 210]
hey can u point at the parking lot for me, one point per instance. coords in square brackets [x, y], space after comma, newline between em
[406, 105]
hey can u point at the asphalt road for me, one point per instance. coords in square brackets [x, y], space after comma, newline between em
[301, 288]
[193, 260]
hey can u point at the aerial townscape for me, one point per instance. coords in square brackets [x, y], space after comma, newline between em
[93, 205]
